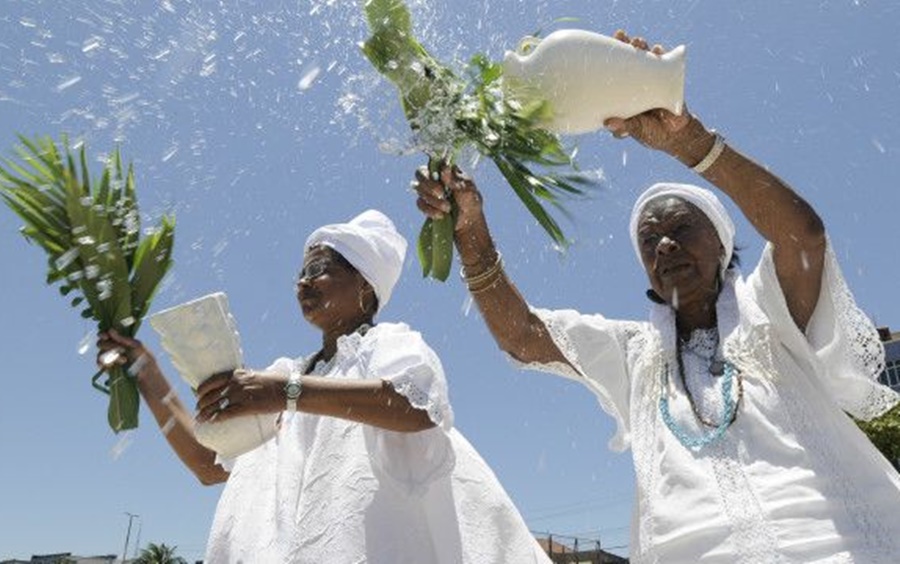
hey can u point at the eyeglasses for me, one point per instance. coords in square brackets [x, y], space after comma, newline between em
[312, 271]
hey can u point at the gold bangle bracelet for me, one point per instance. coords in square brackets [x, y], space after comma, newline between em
[498, 274]
[482, 276]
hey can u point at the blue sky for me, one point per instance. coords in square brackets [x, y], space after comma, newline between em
[254, 122]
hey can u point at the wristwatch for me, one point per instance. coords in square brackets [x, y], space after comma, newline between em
[293, 388]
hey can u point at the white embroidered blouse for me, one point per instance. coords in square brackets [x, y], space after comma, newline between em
[330, 490]
[793, 479]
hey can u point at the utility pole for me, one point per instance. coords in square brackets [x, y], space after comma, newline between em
[137, 540]
[131, 517]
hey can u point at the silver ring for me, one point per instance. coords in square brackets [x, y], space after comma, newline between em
[224, 403]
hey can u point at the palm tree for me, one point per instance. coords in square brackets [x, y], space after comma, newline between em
[159, 554]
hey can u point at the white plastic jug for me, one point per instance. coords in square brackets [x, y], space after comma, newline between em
[587, 77]
[201, 339]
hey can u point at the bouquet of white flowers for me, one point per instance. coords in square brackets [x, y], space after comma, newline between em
[91, 234]
[449, 114]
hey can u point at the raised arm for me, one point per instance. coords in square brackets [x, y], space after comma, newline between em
[515, 328]
[174, 419]
[778, 213]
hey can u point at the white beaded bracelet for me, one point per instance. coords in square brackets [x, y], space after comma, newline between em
[712, 156]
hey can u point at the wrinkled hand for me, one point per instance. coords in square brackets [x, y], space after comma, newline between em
[435, 195]
[242, 392]
[658, 128]
[129, 351]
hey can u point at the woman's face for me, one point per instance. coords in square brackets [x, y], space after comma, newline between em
[680, 250]
[329, 290]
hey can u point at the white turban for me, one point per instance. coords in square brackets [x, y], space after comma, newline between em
[705, 200]
[369, 242]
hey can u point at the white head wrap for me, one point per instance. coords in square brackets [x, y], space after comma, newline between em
[372, 244]
[705, 200]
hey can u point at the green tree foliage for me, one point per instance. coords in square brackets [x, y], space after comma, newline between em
[884, 432]
[159, 554]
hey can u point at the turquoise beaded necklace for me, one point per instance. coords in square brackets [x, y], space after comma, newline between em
[729, 414]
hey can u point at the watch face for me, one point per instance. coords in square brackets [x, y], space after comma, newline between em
[292, 389]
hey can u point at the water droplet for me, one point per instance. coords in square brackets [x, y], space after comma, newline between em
[65, 259]
[121, 445]
[170, 152]
[84, 344]
[307, 80]
[91, 43]
[110, 357]
[68, 83]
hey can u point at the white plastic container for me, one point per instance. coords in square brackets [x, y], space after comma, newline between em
[587, 78]
[201, 338]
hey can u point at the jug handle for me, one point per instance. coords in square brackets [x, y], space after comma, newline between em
[527, 44]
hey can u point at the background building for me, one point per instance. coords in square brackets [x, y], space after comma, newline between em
[891, 375]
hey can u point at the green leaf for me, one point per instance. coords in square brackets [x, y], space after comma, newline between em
[425, 245]
[442, 247]
[153, 259]
[124, 400]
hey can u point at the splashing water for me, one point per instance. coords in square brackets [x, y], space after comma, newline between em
[118, 449]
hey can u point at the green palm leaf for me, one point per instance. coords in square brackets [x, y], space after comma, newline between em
[91, 234]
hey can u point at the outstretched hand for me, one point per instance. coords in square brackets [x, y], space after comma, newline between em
[241, 392]
[658, 128]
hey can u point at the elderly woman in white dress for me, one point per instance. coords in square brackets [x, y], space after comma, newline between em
[732, 397]
[366, 465]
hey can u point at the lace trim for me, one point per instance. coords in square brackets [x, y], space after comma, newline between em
[826, 459]
[865, 350]
[879, 401]
[752, 536]
[646, 425]
[563, 343]
[405, 385]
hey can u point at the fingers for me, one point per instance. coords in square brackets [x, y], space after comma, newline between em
[230, 394]
[618, 127]
[432, 199]
[638, 42]
[214, 384]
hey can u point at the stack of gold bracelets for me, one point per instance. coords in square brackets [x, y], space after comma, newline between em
[485, 280]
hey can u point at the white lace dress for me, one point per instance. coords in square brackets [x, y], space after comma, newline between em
[330, 490]
[792, 479]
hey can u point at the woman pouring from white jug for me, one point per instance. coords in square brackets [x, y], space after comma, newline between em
[732, 396]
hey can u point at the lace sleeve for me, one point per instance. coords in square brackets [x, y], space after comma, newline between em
[402, 358]
[596, 348]
[841, 340]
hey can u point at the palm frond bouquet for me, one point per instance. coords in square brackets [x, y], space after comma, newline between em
[91, 233]
[450, 113]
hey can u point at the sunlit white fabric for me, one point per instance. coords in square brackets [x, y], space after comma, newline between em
[372, 244]
[330, 490]
[793, 480]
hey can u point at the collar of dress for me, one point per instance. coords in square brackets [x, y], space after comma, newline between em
[736, 314]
